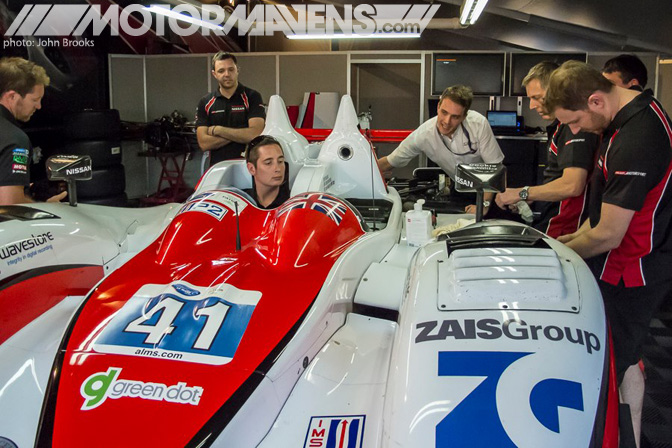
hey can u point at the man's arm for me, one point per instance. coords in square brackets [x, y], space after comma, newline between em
[13, 194]
[385, 166]
[607, 235]
[214, 137]
[570, 236]
[571, 184]
[208, 142]
[240, 135]
[408, 149]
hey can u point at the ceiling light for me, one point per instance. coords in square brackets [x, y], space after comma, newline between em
[471, 10]
[166, 11]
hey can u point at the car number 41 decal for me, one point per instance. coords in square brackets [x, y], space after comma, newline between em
[181, 322]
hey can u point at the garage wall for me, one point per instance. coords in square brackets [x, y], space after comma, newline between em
[391, 91]
[127, 76]
[259, 73]
[665, 84]
[145, 88]
[312, 73]
[127, 87]
[175, 82]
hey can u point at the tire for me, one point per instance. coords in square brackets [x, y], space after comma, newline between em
[120, 200]
[104, 153]
[107, 182]
[93, 125]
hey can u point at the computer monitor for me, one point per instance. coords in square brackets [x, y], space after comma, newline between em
[505, 122]
[483, 72]
[502, 118]
[521, 63]
[432, 105]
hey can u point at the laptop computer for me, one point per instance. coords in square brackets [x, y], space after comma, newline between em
[505, 122]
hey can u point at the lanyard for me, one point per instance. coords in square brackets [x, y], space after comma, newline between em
[466, 134]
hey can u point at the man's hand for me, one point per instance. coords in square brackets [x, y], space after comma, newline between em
[567, 238]
[509, 197]
[487, 197]
[472, 209]
[59, 197]
[385, 166]
[606, 235]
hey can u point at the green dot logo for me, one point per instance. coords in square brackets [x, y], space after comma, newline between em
[95, 388]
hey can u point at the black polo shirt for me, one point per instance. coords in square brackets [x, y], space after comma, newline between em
[280, 199]
[566, 150]
[633, 172]
[15, 151]
[214, 109]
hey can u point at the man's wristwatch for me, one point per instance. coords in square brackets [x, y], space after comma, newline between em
[486, 204]
[524, 193]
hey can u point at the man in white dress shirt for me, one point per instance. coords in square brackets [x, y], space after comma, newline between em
[455, 136]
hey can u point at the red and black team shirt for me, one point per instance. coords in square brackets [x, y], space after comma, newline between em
[633, 172]
[214, 109]
[567, 150]
[15, 152]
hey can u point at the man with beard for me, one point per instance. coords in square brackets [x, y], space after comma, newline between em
[563, 197]
[228, 118]
[626, 241]
[22, 85]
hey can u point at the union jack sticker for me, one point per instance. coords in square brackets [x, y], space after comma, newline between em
[344, 431]
[322, 203]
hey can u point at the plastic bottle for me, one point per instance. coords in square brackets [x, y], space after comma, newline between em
[418, 225]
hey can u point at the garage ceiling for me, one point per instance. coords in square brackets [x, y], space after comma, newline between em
[546, 25]
[571, 25]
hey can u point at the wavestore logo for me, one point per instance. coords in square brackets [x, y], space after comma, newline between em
[24, 246]
[103, 385]
[184, 20]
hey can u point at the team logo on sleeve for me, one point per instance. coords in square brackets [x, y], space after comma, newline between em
[20, 158]
[20, 155]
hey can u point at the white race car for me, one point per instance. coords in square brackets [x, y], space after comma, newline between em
[217, 323]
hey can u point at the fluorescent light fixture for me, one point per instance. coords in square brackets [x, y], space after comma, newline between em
[353, 36]
[471, 11]
[185, 18]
